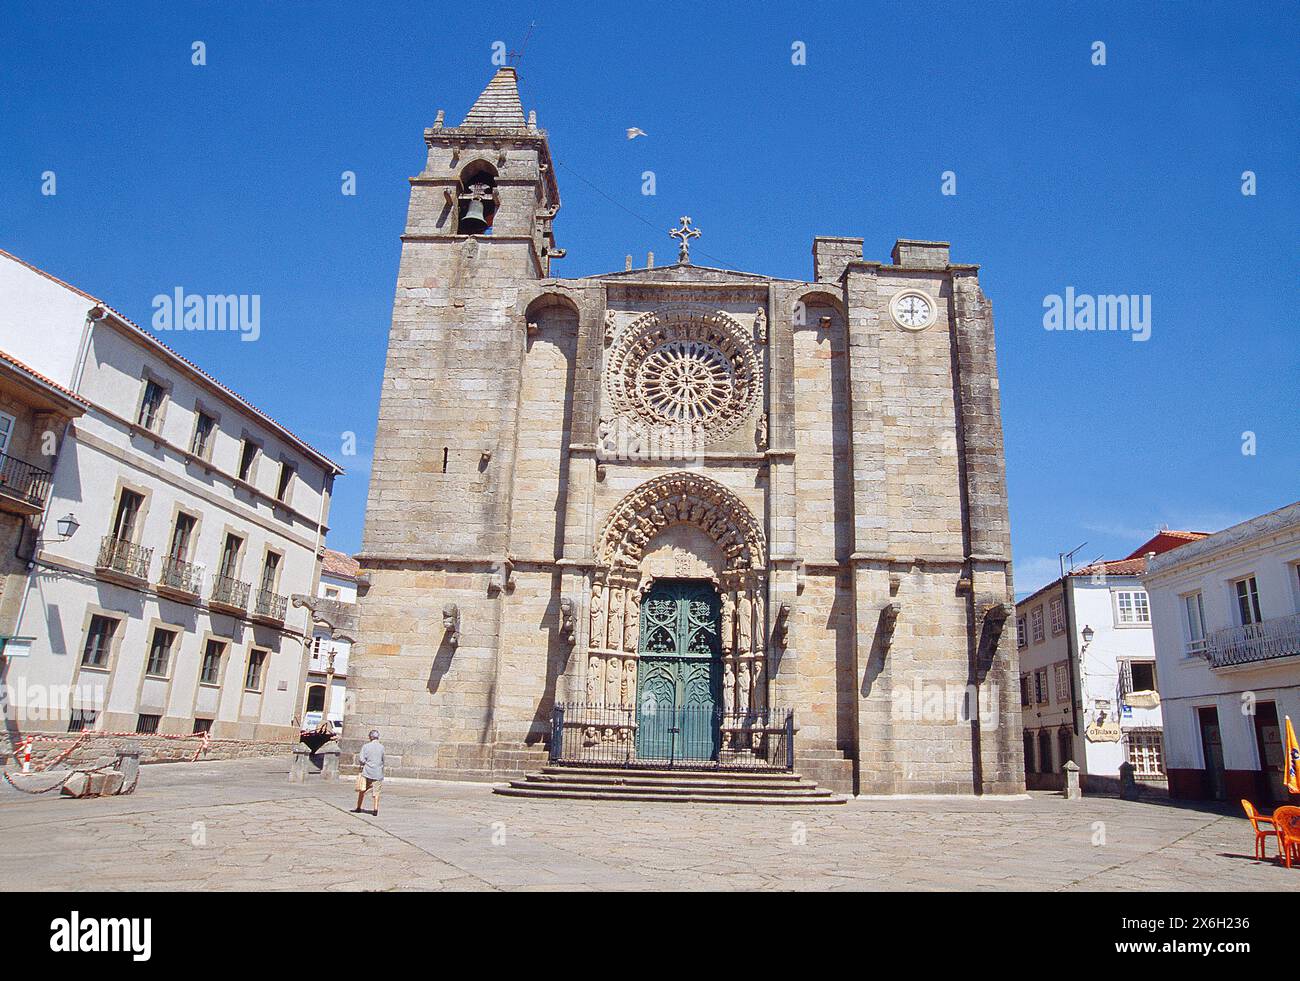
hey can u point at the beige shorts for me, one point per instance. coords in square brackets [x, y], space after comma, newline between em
[375, 785]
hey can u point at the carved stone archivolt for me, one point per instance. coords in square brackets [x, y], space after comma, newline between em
[684, 369]
[681, 498]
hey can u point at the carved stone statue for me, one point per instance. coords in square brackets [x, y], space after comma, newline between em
[760, 432]
[629, 682]
[728, 689]
[593, 679]
[728, 624]
[742, 688]
[597, 614]
[613, 681]
[632, 621]
[760, 326]
[615, 619]
[744, 630]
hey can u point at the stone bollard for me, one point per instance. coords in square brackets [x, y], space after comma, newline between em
[301, 756]
[128, 764]
[330, 760]
[1072, 791]
[1128, 788]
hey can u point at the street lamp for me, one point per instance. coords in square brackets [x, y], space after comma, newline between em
[68, 525]
[1088, 634]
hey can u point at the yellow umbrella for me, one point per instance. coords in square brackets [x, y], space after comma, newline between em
[1291, 760]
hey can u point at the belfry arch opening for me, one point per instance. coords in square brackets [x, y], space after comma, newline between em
[476, 199]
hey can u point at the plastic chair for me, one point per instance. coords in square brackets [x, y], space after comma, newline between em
[1287, 822]
[1261, 833]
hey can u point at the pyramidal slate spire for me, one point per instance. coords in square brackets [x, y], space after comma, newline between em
[498, 107]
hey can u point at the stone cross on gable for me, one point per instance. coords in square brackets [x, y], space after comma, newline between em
[684, 236]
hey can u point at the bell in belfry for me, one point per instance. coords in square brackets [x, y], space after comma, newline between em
[474, 216]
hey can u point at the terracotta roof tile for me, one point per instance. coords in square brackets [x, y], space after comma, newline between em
[67, 392]
[341, 565]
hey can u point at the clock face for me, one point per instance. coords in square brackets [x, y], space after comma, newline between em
[913, 310]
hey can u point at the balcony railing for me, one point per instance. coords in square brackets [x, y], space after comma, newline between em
[24, 481]
[124, 558]
[1263, 641]
[180, 576]
[230, 593]
[269, 606]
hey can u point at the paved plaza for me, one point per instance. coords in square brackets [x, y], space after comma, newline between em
[241, 825]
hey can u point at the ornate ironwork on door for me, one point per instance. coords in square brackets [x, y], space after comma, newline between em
[679, 675]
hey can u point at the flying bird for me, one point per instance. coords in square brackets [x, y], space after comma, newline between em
[633, 132]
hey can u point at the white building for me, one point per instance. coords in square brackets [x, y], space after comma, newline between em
[196, 517]
[327, 669]
[1226, 611]
[1089, 690]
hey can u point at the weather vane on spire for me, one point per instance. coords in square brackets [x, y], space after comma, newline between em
[684, 236]
[517, 55]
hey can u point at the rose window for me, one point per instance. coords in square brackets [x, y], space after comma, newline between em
[684, 372]
[685, 382]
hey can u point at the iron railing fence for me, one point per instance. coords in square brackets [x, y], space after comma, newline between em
[1263, 641]
[123, 557]
[229, 592]
[269, 605]
[24, 480]
[689, 738]
[186, 577]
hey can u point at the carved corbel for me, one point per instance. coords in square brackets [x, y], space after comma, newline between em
[568, 621]
[888, 620]
[781, 628]
[451, 623]
[502, 575]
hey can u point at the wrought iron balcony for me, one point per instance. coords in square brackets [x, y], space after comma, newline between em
[179, 576]
[24, 487]
[269, 606]
[121, 559]
[229, 593]
[1263, 641]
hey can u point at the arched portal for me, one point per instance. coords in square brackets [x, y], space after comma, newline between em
[679, 534]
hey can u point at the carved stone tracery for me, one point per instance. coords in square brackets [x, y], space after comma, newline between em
[684, 369]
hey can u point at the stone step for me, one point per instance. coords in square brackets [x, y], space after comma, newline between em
[700, 789]
[665, 797]
[664, 785]
[675, 774]
[638, 780]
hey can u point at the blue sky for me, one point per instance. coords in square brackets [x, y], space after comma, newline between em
[1122, 178]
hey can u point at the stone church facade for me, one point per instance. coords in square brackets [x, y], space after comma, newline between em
[810, 473]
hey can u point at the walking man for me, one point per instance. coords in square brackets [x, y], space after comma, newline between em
[371, 777]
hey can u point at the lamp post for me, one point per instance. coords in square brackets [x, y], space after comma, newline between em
[67, 525]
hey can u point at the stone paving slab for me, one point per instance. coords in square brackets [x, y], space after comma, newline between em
[240, 825]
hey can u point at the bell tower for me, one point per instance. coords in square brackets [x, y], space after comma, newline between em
[479, 226]
[489, 177]
[434, 549]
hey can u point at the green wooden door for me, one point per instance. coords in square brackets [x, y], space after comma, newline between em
[678, 675]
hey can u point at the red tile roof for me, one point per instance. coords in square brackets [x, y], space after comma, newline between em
[176, 355]
[1135, 564]
[1164, 540]
[340, 565]
[49, 383]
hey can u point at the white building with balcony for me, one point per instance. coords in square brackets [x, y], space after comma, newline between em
[327, 667]
[195, 517]
[1089, 685]
[1226, 614]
